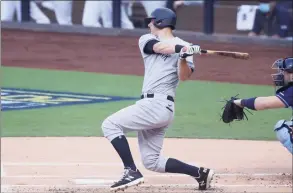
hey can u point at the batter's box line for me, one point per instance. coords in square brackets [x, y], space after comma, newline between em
[102, 164]
[146, 175]
[6, 188]
[107, 164]
[144, 186]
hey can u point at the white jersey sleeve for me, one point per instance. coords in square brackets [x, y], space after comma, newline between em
[143, 40]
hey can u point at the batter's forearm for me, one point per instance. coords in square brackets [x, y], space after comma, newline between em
[166, 48]
[184, 70]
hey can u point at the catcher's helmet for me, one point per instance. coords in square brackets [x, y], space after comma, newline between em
[282, 65]
[285, 64]
[163, 17]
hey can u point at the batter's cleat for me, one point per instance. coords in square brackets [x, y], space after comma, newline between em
[205, 178]
[129, 178]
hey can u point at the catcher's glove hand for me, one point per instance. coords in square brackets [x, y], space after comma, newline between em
[232, 111]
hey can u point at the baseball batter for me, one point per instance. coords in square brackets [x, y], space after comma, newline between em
[282, 99]
[167, 60]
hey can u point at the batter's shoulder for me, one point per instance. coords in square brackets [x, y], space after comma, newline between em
[149, 35]
[183, 42]
[145, 38]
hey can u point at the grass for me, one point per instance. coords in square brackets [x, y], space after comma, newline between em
[197, 106]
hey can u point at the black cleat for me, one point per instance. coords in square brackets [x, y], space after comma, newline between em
[205, 178]
[129, 178]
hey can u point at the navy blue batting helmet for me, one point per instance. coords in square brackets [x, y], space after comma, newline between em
[163, 17]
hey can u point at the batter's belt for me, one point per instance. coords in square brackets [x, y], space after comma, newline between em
[170, 98]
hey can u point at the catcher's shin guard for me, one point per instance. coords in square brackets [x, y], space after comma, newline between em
[283, 130]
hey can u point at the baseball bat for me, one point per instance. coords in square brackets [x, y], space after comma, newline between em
[237, 55]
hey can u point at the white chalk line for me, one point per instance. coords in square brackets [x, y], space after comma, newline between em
[92, 181]
[115, 164]
[104, 182]
[2, 171]
[60, 164]
[144, 185]
[102, 164]
[146, 175]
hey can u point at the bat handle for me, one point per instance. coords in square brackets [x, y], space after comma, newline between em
[203, 51]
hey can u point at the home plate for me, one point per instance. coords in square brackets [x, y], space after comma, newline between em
[101, 182]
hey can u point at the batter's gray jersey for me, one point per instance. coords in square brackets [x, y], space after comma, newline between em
[161, 70]
[150, 117]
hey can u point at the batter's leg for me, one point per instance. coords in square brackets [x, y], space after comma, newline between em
[114, 127]
[150, 144]
[132, 118]
[143, 115]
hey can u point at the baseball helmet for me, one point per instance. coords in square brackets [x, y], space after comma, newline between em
[282, 65]
[163, 17]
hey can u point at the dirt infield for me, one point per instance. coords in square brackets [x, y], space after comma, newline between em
[90, 164]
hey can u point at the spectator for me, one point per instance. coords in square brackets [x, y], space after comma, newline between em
[150, 6]
[96, 10]
[180, 3]
[273, 18]
[286, 3]
[8, 8]
[62, 10]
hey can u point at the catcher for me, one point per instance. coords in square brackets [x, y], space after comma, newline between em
[283, 80]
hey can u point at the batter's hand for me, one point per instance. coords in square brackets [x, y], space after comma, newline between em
[189, 51]
[196, 49]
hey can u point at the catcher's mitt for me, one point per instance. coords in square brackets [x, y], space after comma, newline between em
[232, 111]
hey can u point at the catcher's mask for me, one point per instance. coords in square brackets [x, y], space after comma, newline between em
[162, 17]
[283, 65]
